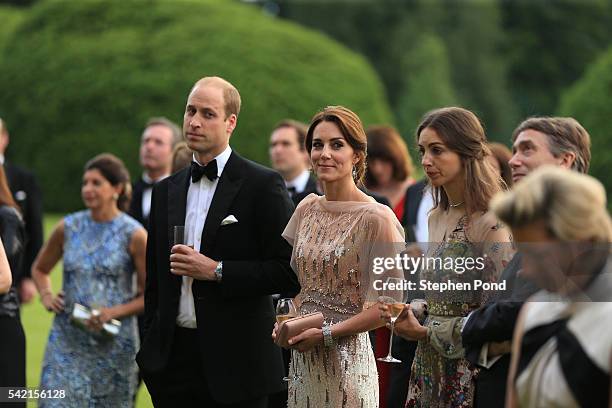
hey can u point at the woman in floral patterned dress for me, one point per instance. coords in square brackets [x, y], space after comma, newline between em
[453, 149]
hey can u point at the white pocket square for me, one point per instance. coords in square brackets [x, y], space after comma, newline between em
[230, 219]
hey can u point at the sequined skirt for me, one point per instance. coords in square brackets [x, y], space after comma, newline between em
[341, 376]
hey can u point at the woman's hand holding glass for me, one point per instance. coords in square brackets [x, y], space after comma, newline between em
[406, 324]
[393, 307]
[285, 309]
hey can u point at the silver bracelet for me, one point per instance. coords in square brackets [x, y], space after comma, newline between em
[328, 340]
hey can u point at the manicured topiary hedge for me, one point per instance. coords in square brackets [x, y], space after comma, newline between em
[79, 78]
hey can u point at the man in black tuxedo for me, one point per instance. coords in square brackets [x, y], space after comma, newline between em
[208, 310]
[27, 194]
[156, 144]
[289, 157]
[487, 331]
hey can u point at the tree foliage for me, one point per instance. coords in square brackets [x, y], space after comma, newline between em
[427, 86]
[549, 45]
[80, 78]
[588, 100]
[389, 31]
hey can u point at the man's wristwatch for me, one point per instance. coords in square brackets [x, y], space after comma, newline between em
[219, 271]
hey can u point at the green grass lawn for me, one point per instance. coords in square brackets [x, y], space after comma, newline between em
[37, 322]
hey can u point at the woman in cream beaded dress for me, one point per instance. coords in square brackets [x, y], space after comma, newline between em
[334, 239]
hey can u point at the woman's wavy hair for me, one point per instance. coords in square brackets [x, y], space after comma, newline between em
[6, 197]
[462, 132]
[351, 128]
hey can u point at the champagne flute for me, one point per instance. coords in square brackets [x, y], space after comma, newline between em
[395, 307]
[285, 309]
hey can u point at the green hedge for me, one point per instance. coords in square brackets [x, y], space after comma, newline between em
[589, 101]
[10, 18]
[79, 78]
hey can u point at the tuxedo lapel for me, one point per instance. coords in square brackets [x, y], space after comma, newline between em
[136, 203]
[227, 188]
[177, 201]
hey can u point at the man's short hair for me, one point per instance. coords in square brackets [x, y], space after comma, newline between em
[564, 135]
[300, 128]
[231, 96]
[177, 135]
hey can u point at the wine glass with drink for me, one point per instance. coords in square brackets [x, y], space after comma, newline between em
[180, 237]
[396, 306]
[285, 309]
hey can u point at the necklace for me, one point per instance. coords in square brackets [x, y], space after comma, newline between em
[455, 205]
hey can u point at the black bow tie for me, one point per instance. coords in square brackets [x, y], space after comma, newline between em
[146, 184]
[292, 190]
[197, 171]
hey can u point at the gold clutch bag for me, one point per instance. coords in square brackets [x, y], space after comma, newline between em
[294, 326]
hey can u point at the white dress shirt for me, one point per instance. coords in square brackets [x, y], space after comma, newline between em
[299, 183]
[147, 193]
[421, 229]
[199, 198]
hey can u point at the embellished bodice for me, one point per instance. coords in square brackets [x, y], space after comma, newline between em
[461, 262]
[332, 251]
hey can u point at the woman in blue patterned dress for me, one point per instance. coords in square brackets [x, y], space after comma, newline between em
[104, 268]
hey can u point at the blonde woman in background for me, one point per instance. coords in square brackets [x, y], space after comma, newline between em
[562, 346]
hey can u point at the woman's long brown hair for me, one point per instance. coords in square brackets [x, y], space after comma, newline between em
[6, 197]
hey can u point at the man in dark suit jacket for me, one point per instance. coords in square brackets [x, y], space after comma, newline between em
[487, 332]
[156, 145]
[289, 157]
[208, 310]
[493, 325]
[27, 194]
